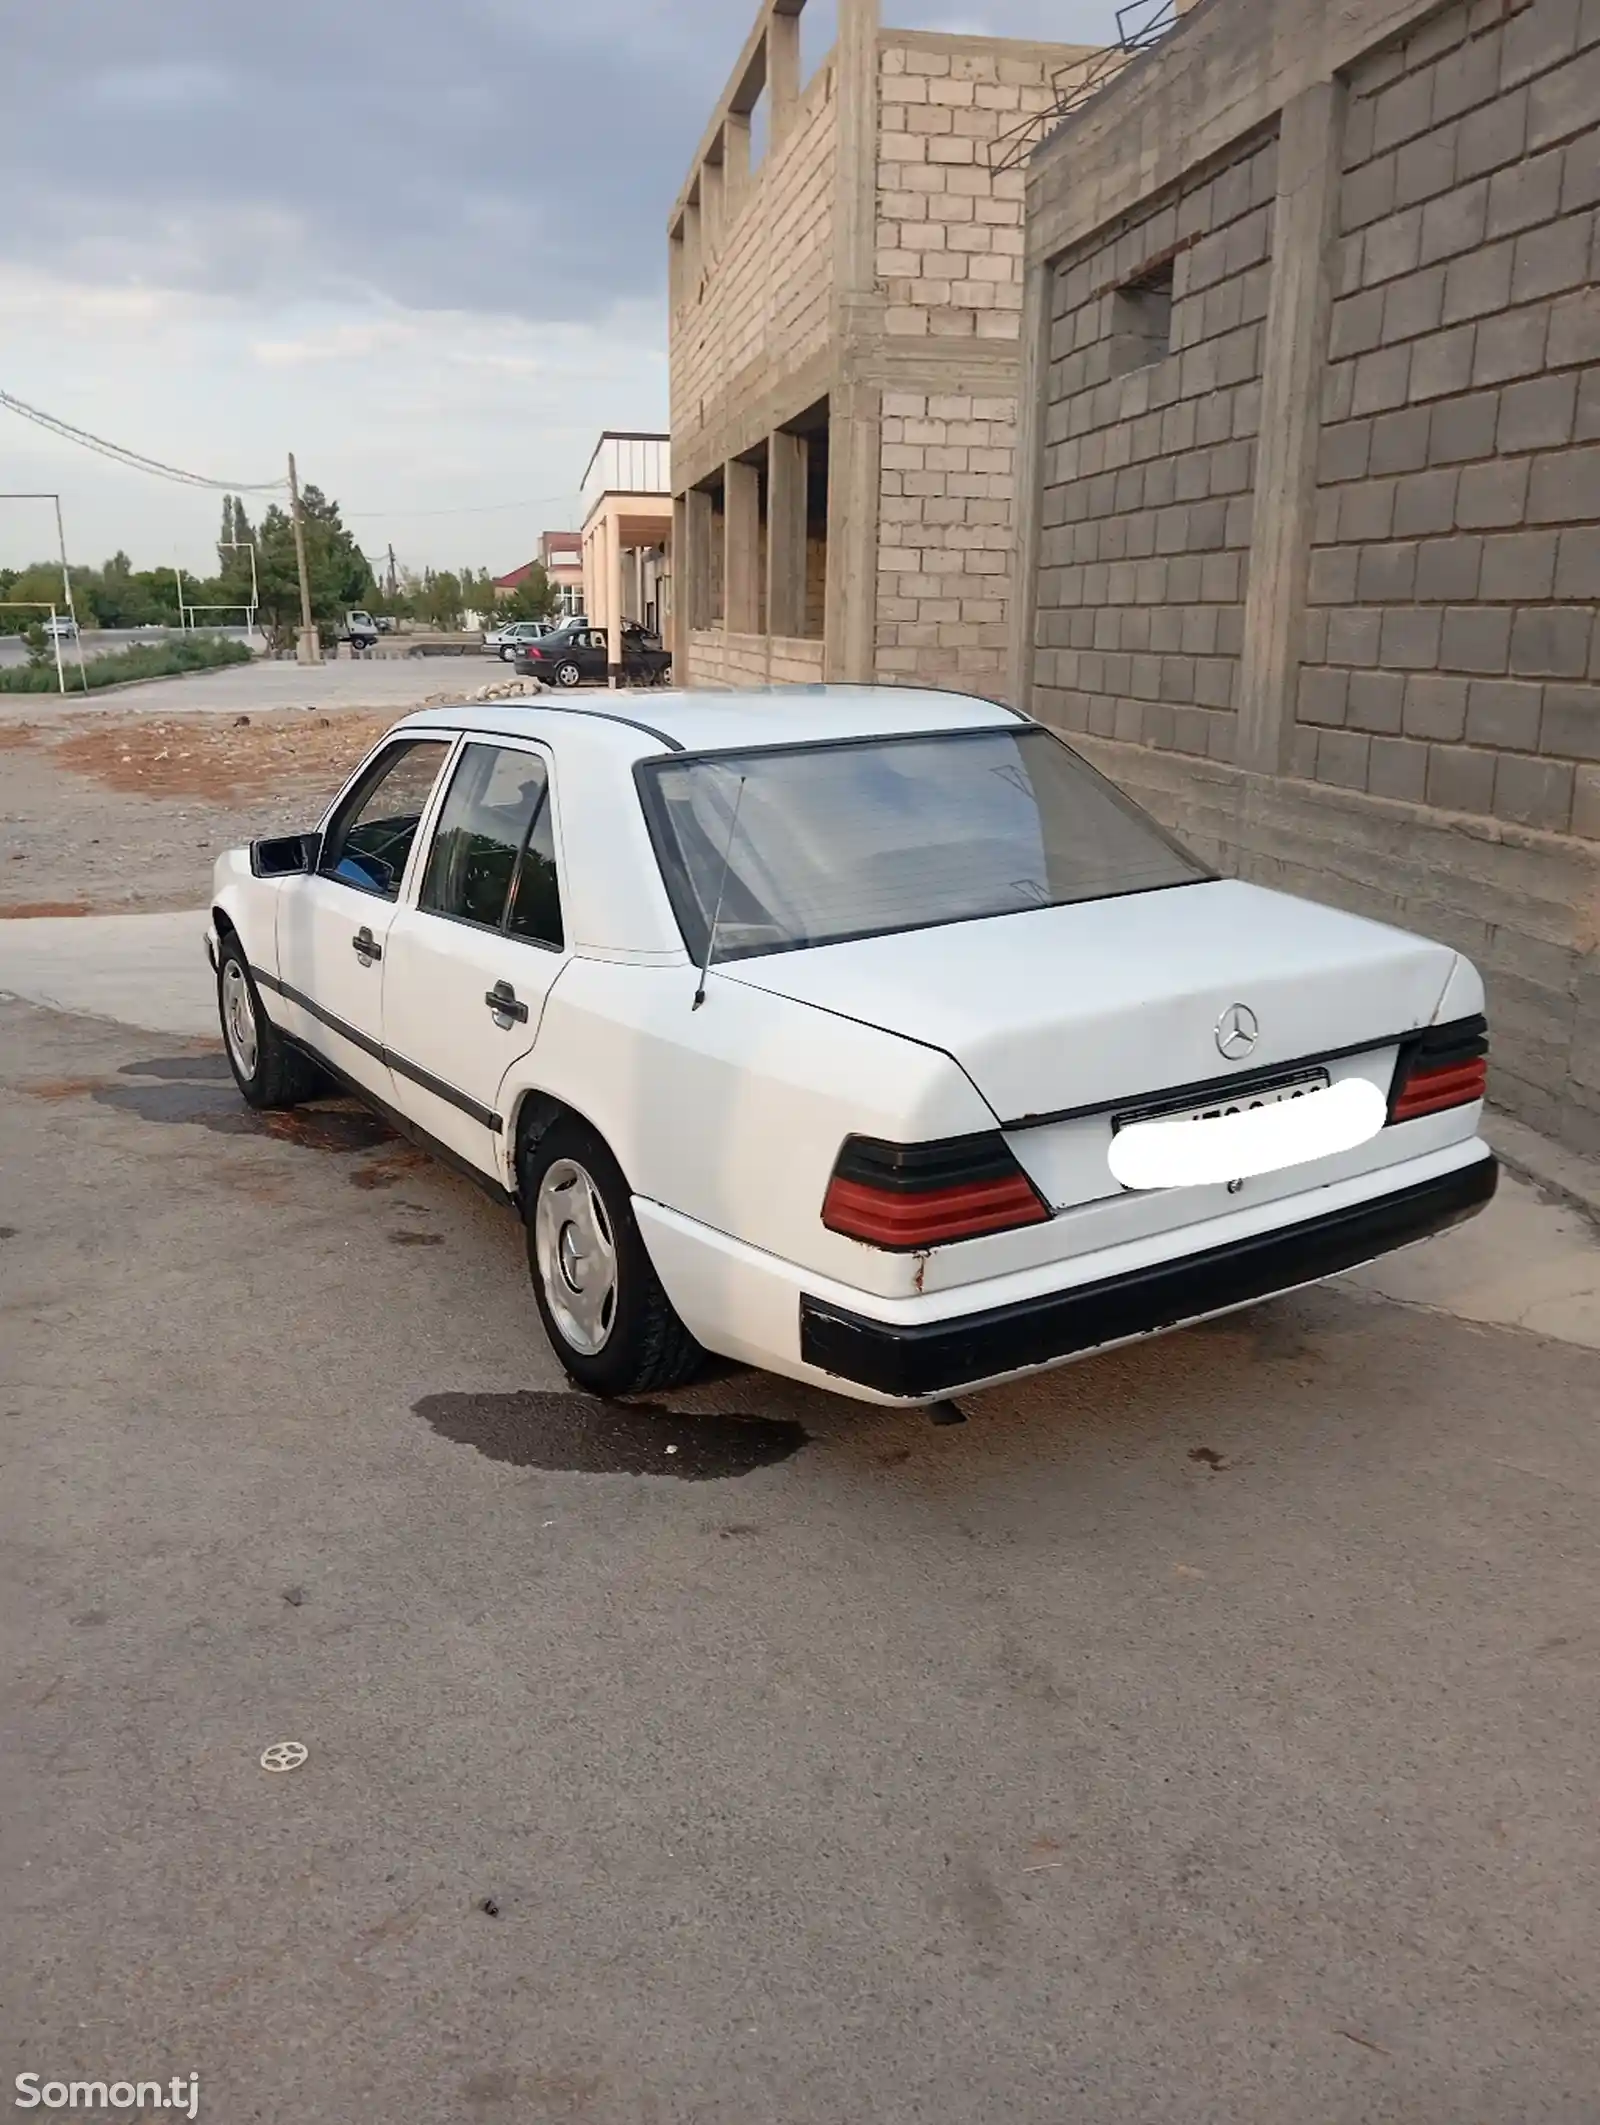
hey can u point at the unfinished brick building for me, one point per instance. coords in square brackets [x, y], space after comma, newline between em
[844, 339]
[1310, 524]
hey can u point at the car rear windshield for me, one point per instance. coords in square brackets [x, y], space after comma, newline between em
[790, 846]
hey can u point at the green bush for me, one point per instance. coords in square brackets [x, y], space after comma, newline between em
[161, 660]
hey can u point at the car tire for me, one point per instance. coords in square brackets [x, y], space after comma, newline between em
[608, 1320]
[506, 655]
[568, 674]
[268, 1072]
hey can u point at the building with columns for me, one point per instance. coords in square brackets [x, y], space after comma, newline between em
[1309, 518]
[846, 291]
[627, 536]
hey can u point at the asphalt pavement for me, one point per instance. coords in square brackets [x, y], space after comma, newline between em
[1202, 1733]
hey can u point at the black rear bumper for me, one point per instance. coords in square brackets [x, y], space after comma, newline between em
[935, 1358]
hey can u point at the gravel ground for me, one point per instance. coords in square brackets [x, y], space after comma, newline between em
[103, 814]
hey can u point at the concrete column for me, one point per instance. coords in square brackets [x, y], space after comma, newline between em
[735, 164]
[713, 199]
[787, 462]
[855, 242]
[613, 533]
[1037, 289]
[783, 70]
[854, 426]
[697, 600]
[1305, 223]
[854, 403]
[678, 562]
[741, 490]
[593, 587]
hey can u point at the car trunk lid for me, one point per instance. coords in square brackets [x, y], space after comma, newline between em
[1061, 1010]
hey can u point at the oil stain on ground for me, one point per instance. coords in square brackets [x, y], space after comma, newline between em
[198, 1091]
[575, 1434]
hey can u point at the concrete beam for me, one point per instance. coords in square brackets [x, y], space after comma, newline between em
[1305, 227]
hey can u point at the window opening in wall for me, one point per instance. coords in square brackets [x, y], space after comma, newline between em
[819, 33]
[1141, 321]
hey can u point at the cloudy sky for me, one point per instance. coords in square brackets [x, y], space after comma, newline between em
[421, 245]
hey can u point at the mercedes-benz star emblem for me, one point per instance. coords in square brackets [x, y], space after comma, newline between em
[1237, 1031]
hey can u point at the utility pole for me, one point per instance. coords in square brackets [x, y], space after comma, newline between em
[310, 650]
[72, 610]
[392, 584]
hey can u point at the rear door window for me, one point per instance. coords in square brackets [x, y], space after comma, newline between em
[492, 862]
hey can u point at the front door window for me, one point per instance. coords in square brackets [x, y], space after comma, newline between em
[370, 839]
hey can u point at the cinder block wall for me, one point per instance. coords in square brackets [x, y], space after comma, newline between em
[949, 262]
[752, 302]
[1378, 430]
[1451, 654]
[1147, 481]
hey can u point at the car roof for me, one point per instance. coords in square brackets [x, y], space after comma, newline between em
[639, 724]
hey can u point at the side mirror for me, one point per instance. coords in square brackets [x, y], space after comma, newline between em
[286, 857]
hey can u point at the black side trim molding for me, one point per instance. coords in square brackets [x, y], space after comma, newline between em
[485, 1117]
[927, 1360]
[404, 1125]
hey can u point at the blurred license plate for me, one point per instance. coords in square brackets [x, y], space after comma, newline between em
[1263, 1096]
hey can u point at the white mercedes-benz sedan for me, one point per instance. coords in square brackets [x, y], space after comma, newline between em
[867, 1035]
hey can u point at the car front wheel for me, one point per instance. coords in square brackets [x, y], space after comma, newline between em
[601, 1302]
[506, 655]
[268, 1072]
[567, 673]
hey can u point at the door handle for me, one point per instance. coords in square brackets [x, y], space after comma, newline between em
[366, 947]
[502, 1001]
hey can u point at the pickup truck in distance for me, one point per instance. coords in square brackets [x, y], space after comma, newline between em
[360, 630]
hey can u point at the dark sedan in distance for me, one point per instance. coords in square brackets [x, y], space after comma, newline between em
[578, 651]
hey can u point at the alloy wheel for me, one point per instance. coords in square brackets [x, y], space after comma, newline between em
[239, 1019]
[577, 1257]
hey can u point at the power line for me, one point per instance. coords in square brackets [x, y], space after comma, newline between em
[138, 462]
[134, 459]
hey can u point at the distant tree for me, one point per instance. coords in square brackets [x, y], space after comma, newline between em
[535, 598]
[335, 566]
[442, 601]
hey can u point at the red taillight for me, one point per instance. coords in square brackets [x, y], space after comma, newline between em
[1447, 1066]
[1427, 1091]
[908, 1196]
